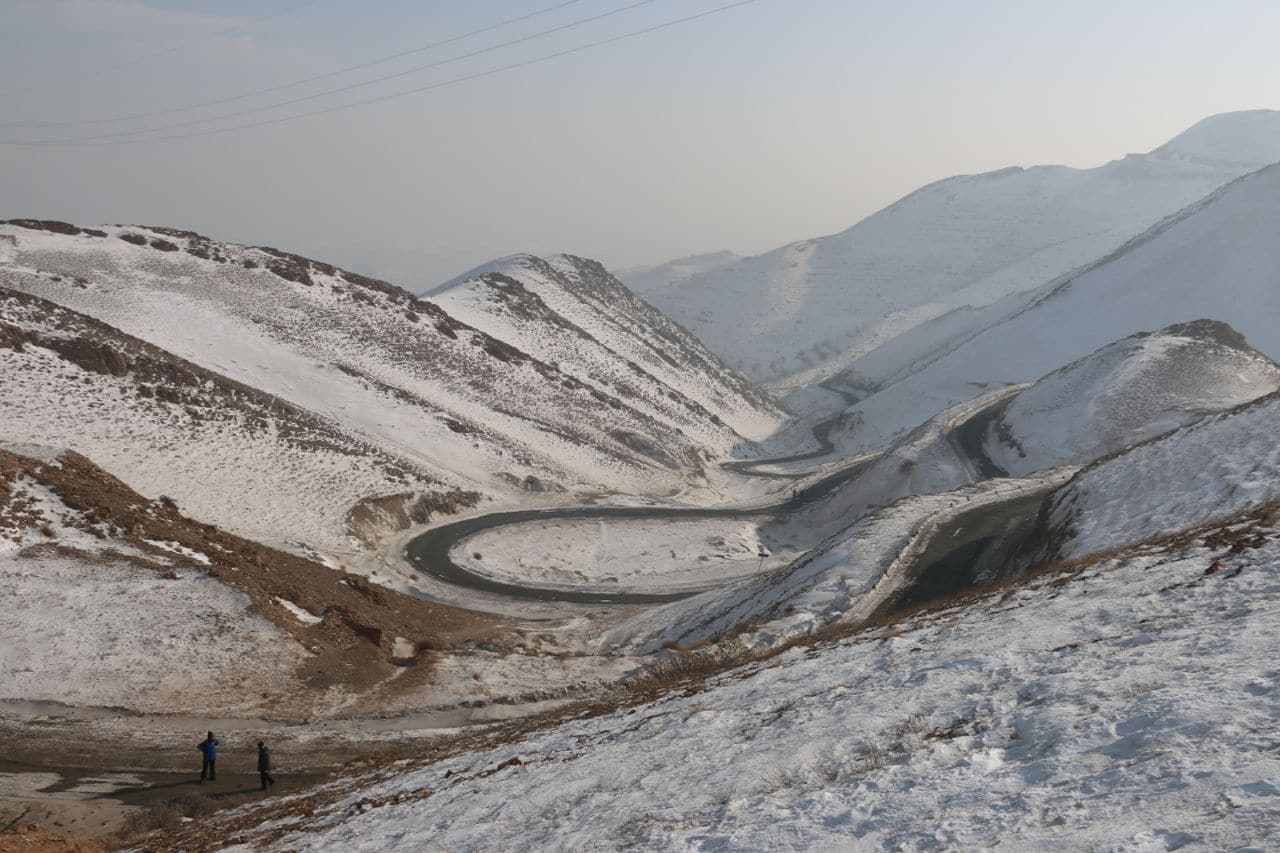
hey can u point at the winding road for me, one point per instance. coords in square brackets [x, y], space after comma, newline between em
[430, 552]
[821, 434]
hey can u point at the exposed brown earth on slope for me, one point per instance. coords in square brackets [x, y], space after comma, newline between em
[358, 621]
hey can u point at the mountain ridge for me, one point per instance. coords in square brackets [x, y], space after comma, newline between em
[398, 375]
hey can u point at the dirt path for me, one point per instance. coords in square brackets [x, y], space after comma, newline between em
[81, 803]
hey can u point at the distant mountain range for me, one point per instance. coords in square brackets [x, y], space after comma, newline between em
[1215, 259]
[809, 309]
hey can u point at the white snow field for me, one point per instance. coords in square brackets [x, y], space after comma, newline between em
[661, 555]
[1129, 706]
[806, 310]
[85, 625]
[1216, 259]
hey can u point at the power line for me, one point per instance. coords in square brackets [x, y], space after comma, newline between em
[418, 90]
[39, 87]
[120, 135]
[302, 82]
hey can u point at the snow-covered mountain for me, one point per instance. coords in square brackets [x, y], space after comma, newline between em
[653, 279]
[571, 313]
[809, 308]
[226, 452]
[397, 396]
[1128, 392]
[1217, 258]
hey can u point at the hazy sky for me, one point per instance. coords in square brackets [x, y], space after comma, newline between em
[771, 122]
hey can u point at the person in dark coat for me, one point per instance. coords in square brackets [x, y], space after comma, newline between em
[264, 765]
[209, 749]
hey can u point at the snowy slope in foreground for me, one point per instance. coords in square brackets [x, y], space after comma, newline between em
[1216, 259]
[1130, 706]
[1127, 392]
[813, 306]
[184, 642]
[1215, 468]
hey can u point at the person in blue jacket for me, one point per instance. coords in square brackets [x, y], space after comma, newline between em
[209, 748]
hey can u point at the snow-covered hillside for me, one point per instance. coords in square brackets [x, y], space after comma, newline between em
[115, 600]
[227, 453]
[1216, 468]
[432, 399]
[570, 312]
[1215, 259]
[809, 308]
[180, 636]
[1127, 392]
[865, 533]
[1126, 705]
